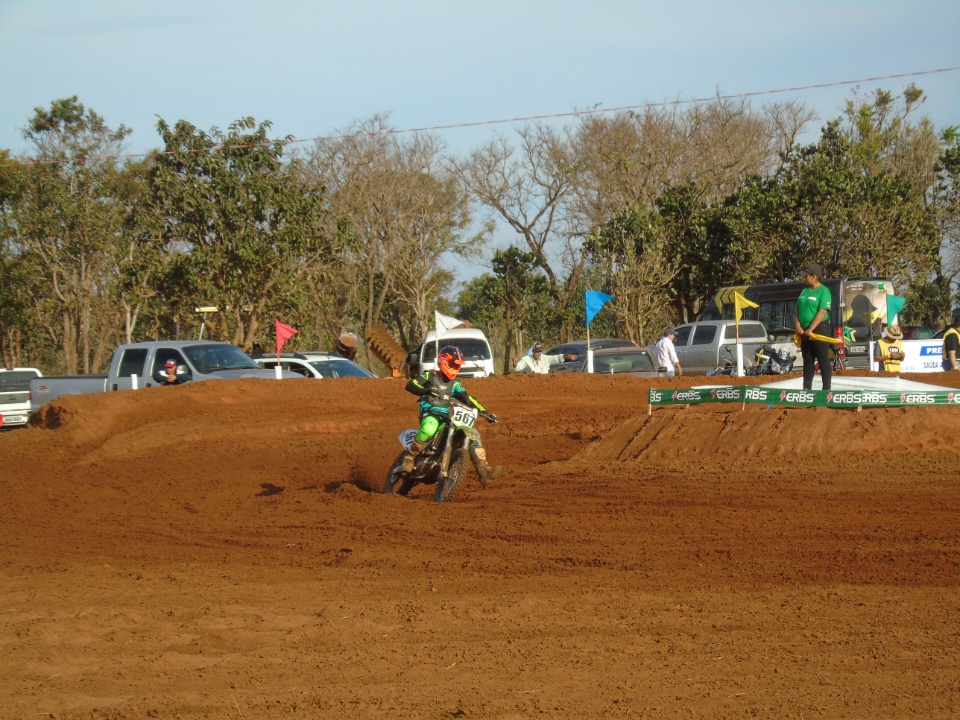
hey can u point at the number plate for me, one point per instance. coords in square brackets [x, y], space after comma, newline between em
[463, 416]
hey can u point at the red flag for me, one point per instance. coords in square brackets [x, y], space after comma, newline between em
[284, 333]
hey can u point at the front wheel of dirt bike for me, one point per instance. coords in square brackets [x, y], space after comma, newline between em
[396, 481]
[458, 468]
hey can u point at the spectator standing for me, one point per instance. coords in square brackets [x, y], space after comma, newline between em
[810, 318]
[539, 363]
[889, 349]
[951, 344]
[666, 354]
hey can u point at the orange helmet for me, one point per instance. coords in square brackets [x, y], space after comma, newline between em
[449, 361]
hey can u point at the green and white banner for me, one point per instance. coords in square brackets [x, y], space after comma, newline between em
[806, 398]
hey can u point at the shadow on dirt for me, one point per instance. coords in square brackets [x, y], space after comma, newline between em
[269, 489]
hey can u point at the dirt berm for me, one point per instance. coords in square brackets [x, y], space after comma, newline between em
[222, 550]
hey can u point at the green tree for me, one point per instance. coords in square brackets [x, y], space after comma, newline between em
[629, 256]
[64, 223]
[245, 228]
[513, 304]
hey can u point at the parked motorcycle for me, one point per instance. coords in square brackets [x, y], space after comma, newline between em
[444, 460]
[770, 360]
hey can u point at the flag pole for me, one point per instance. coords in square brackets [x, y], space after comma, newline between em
[589, 354]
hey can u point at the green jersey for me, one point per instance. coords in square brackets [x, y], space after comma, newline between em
[812, 301]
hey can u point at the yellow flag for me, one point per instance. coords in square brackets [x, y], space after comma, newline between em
[740, 302]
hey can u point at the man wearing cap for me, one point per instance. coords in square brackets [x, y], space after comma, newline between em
[889, 350]
[951, 344]
[169, 375]
[666, 354]
[539, 363]
[811, 317]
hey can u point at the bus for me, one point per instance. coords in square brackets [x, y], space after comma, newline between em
[858, 314]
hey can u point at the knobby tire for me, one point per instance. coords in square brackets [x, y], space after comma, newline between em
[396, 481]
[458, 467]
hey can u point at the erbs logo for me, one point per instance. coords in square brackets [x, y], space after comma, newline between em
[797, 397]
[857, 398]
[655, 396]
[845, 398]
[688, 395]
[725, 394]
[917, 399]
[756, 394]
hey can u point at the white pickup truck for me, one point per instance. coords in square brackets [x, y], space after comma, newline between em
[139, 365]
[15, 395]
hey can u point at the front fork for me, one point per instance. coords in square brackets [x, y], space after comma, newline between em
[447, 452]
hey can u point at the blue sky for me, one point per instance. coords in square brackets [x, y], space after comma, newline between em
[313, 68]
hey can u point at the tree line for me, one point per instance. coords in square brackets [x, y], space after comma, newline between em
[658, 208]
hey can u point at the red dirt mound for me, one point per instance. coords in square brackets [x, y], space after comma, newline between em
[222, 549]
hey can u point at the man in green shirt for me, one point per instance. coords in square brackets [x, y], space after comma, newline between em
[812, 316]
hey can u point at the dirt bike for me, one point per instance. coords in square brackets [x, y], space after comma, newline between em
[770, 360]
[729, 365]
[443, 461]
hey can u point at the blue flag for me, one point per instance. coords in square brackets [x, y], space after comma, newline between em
[595, 301]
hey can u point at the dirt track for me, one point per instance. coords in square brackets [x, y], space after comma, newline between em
[221, 550]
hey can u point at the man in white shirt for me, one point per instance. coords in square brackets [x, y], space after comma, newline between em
[666, 354]
[538, 362]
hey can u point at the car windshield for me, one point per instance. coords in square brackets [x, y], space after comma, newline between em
[16, 380]
[472, 350]
[341, 368]
[211, 358]
[623, 362]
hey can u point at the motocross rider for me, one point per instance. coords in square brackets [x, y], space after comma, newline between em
[435, 388]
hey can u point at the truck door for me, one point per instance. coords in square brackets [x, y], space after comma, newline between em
[702, 350]
[132, 362]
[680, 344]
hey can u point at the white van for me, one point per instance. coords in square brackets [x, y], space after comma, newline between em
[473, 344]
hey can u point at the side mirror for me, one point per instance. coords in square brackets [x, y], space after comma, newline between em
[770, 338]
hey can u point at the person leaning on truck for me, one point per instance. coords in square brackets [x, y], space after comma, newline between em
[889, 350]
[539, 363]
[951, 344]
[811, 317]
[665, 353]
[169, 374]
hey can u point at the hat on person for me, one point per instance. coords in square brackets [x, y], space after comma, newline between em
[813, 270]
[538, 347]
[894, 332]
[670, 331]
[171, 363]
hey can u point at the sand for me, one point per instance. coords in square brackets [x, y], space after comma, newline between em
[222, 550]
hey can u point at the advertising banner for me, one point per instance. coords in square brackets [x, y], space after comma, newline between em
[922, 356]
[806, 398]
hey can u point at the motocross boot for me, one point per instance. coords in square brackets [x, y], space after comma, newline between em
[487, 474]
[415, 447]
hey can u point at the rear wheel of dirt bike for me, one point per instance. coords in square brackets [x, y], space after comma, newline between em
[458, 468]
[396, 481]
